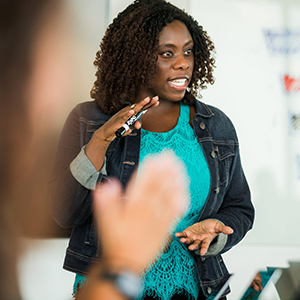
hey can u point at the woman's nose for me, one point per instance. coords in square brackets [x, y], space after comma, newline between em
[180, 63]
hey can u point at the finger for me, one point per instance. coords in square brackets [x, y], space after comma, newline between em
[131, 187]
[186, 240]
[125, 120]
[227, 230]
[153, 103]
[195, 245]
[180, 234]
[204, 246]
[219, 227]
[128, 131]
[138, 124]
[175, 177]
[106, 202]
[140, 105]
[118, 120]
[126, 115]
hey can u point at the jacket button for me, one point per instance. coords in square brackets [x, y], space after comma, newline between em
[202, 126]
[213, 154]
[209, 290]
[217, 190]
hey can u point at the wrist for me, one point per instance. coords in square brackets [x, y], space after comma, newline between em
[99, 139]
[120, 262]
[125, 279]
[95, 150]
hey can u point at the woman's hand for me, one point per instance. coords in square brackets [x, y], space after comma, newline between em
[107, 131]
[134, 226]
[201, 234]
[97, 146]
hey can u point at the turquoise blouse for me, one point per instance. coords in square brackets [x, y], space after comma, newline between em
[175, 272]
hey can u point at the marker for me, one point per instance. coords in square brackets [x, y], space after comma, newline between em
[121, 131]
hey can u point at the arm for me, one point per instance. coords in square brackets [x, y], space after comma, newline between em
[70, 197]
[68, 200]
[97, 146]
[134, 231]
[229, 224]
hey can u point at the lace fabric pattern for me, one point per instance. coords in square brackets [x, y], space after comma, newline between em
[175, 272]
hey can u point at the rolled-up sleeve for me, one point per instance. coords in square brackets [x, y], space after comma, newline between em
[84, 171]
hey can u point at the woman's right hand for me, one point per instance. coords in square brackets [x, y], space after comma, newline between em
[97, 146]
[107, 131]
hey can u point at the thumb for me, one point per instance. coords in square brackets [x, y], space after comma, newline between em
[222, 228]
[106, 202]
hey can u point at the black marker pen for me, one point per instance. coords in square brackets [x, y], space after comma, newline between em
[121, 131]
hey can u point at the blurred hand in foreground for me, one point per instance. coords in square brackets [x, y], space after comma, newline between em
[134, 225]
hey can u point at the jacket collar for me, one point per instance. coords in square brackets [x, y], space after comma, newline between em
[202, 109]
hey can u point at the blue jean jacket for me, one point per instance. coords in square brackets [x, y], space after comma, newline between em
[228, 200]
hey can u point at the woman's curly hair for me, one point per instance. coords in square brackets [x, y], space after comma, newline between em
[127, 57]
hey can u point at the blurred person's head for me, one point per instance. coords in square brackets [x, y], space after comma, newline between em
[33, 73]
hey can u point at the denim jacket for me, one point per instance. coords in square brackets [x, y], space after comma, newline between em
[228, 199]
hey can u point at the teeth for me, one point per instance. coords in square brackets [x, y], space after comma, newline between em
[179, 82]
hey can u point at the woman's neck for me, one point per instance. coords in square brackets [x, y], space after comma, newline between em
[162, 118]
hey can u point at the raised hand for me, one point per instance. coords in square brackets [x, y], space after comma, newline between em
[107, 131]
[97, 146]
[134, 226]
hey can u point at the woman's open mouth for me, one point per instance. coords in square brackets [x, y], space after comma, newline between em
[179, 84]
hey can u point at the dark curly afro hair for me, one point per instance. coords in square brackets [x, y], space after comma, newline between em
[127, 57]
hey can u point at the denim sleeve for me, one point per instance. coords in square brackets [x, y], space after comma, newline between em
[84, 171]
[69, 202]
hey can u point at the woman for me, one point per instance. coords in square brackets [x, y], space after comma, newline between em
[155, 52]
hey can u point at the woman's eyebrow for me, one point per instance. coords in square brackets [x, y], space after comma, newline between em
[174, 46]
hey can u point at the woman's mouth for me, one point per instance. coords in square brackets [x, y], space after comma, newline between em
[179, 84]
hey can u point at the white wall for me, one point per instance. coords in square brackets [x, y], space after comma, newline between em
[249, 88]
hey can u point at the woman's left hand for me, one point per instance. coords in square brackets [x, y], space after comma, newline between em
[201, 234]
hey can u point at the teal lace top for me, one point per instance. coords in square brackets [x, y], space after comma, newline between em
[175, 272]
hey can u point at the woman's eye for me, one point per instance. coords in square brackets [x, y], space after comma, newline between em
[188, 52]
[167, 54]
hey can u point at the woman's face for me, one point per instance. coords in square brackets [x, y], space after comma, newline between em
[175, 62]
